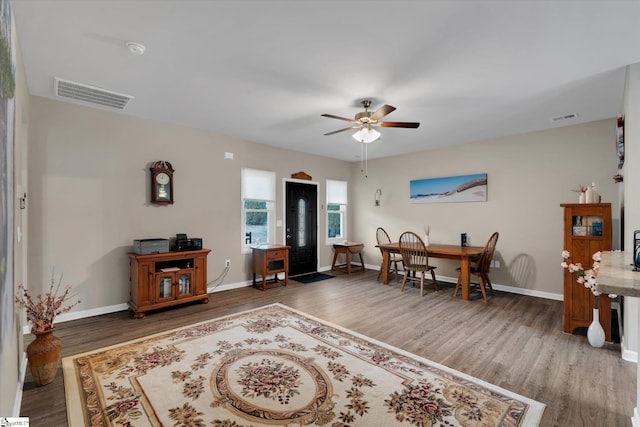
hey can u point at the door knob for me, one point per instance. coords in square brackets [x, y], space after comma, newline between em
[288, 236]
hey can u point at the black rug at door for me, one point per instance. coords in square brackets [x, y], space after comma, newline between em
[313, 277]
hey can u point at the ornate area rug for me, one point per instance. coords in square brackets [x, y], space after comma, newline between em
[276, 366]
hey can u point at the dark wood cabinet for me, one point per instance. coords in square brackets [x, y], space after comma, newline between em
[270, 259]
[587, 230]
[163, 280]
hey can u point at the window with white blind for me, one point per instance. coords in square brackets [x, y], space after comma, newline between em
[336, 211]
[258, 207]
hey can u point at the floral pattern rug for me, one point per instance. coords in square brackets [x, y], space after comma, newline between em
[275, 366]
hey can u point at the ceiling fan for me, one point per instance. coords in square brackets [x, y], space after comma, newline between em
[366, 119]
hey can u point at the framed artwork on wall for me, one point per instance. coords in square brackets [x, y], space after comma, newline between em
[461, 188]
[620, 141]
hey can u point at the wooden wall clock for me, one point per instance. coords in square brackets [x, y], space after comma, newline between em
[162, 183]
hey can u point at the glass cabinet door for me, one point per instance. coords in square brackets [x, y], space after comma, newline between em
[184, 282]
[587, 225]
[164, 287]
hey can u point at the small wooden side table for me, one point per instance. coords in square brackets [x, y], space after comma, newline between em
[270, 259]
[348, 249]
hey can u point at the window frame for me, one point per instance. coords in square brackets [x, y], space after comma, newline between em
[337, 194]
[266, 194]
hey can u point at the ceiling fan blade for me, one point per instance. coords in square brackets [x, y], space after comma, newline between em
[342, 130]
[381, 112]
[412, 125]
[331, 116]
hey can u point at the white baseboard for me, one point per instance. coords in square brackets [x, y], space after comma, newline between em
[121, 307]
[229, 286]
[74, 315]
[247, 283]
[635, 420]
[630, 356]
[496, 286]
[17, 403]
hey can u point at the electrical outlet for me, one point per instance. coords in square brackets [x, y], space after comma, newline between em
[227, 263]
[496, 263]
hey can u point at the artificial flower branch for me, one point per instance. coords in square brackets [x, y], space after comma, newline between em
[42, 311]
[586, 277]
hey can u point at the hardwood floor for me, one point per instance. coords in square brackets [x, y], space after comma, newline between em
[513, 341]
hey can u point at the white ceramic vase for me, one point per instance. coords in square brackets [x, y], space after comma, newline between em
[595, 333]
[589, 196]
[582, 198]
[426, 240]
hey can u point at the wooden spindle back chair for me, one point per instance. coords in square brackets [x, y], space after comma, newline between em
[415, 259]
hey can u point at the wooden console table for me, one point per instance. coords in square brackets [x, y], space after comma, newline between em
[270, 259]
[347, 249]
[166, 279]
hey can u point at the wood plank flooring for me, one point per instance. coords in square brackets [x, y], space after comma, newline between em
[513, 341]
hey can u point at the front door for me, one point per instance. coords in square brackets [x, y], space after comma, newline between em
[302, 227]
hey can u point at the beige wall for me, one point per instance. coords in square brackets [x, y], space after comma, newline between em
[88, 198]
[89, 192]
[529, 176]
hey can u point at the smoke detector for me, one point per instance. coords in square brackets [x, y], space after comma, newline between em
[135, 48]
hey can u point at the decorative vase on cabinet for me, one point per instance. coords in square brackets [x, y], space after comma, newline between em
[587, 230]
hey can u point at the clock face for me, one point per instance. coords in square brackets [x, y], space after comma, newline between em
[162, 178]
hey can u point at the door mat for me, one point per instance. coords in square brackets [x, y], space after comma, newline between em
[313, 277]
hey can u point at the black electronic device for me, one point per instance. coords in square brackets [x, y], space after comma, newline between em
[184, 243]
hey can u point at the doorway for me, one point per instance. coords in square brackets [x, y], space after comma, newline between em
[301, 222]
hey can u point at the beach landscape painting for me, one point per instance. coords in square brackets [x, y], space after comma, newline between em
[461, 188]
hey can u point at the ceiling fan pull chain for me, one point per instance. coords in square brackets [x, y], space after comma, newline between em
[366, 159]
[363, 158]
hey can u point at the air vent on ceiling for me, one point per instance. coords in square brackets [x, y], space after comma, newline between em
[565, 117]
[90, 94]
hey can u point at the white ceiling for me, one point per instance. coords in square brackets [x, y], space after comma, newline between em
[264, 71]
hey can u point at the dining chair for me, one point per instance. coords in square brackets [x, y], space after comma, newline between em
[415, 259]
[383, 238]
[481, 268]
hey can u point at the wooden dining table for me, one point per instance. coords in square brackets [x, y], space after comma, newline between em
[465, 254]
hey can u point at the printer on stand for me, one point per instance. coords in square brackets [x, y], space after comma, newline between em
[150, 246]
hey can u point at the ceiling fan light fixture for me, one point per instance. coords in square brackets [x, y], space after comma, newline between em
[366, 135]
